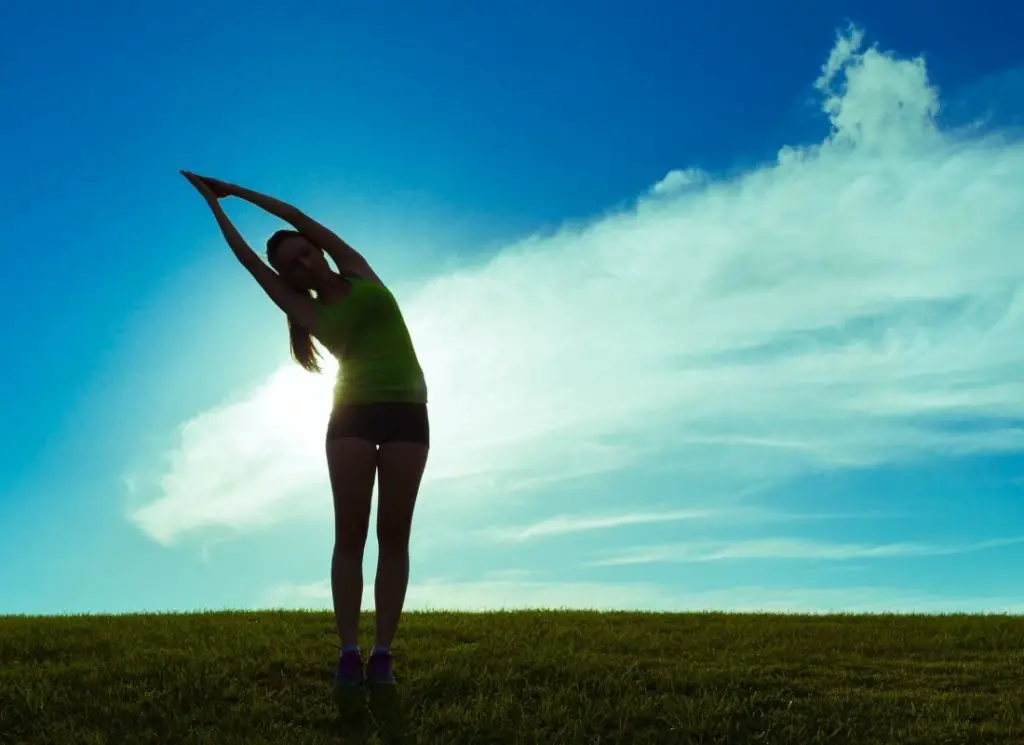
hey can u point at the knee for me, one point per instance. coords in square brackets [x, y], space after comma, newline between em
[350, 540]
[392, 537]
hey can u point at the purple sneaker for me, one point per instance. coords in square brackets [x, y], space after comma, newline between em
[349, 672]
[380, 668]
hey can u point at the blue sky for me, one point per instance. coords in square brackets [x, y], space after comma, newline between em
[720, 306]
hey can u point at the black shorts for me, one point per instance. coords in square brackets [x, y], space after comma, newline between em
[380, 423]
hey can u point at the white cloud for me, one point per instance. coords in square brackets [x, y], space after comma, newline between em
[676, 181]
[831, 309]
[579, 523]
[247, 463]
[564, 524]
[788, 548]
[512, 593]
[886, 104]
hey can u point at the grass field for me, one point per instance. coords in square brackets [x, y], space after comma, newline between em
[531, 677]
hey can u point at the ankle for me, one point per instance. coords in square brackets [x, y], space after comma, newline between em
[381, 649]
[350, 648]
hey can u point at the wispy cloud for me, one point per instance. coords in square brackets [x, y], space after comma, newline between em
[559, 525]
[497, 593]
[837, 307]
[564, 524]
[788, 548]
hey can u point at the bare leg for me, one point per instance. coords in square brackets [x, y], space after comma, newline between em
[352, 466]
[400, 466]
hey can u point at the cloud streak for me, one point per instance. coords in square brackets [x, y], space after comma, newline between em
[839, 307]
[566, 524]
[789, 548]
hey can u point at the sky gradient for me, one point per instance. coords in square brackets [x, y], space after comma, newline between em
[719, 307]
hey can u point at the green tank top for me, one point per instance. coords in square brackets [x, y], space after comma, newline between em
[366, 333]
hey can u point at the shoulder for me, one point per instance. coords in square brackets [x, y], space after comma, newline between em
[363, 282]
[360, 270]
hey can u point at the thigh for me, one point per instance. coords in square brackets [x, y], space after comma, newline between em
[400, 467]
[352, 465]
[398, 422]
[358, 421]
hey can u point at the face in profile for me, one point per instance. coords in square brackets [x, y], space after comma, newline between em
[298, 261]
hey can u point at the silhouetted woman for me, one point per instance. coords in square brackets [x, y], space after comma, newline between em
[378, 426]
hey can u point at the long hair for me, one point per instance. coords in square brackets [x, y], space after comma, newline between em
[303, 350]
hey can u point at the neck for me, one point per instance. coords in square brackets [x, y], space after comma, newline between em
[329, 287]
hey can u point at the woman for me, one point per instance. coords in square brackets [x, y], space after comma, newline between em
[378, 427]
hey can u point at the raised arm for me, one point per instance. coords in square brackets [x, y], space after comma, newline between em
[300, 308]
[346, 258]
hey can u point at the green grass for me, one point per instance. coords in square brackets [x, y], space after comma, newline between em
[539, 677]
